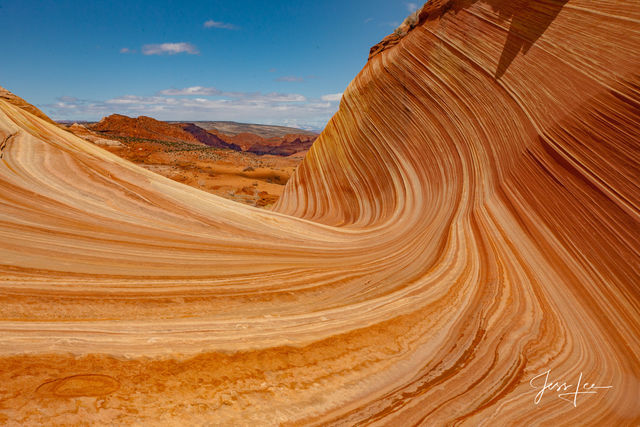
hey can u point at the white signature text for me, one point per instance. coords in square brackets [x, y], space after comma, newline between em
[564, 391]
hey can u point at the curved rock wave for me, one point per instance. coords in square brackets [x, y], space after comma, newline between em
[467, 221]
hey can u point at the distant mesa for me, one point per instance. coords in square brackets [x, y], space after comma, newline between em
[264, 131]
[250, 168]
[244, 139]
[142, 127]
[286, 146]
[208, 138]
[268, 140]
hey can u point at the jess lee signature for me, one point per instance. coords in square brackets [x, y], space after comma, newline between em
[570, 392]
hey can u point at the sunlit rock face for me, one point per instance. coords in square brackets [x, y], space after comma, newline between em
[467, 222]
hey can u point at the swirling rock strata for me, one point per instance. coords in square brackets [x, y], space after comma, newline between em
[467, 221]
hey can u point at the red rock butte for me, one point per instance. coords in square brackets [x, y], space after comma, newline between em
[466, 222]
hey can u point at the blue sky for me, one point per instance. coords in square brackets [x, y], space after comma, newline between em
[274, 62]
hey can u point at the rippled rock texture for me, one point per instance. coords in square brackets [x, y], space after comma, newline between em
[466, 222]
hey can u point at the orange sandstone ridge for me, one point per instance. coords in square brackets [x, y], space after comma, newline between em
[119, 126]
[468, 221]
[9, 97]
[141, 127]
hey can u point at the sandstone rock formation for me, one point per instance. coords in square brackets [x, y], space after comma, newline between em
[468, 220]
[208, 138]
[262, 130]
[21, 103]
[210, 163]
[278, 145]
[245, 139]
[117, 125]
[141, 127]
[83, 132]
[285, 146]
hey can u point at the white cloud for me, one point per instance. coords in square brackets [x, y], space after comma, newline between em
[208, 104]
[246, 96]
[332, 97]
[412, 7]
[68, 99]
[194, 90]
[290, 79]
[169, 49]
[216, 24]
[132, 100]
[274, 97]
[126, 50]
[366, 21]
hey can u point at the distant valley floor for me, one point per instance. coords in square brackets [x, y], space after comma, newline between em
[247, 167]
